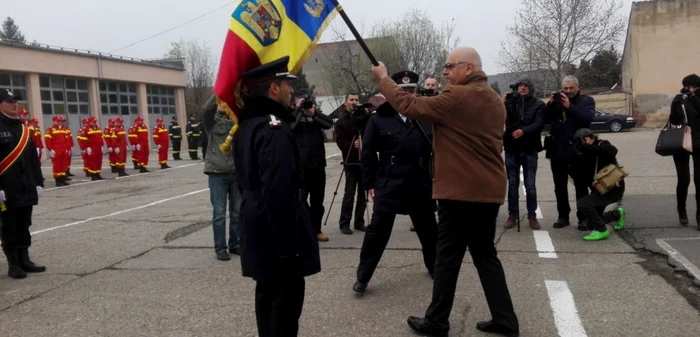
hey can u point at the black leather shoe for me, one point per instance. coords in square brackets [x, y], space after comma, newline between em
[223, 255]
[346, 230]
[234, 251]
[26, 264]
[495, 328]
[360, 228]
[561, 223]
[359, 287]
[423, 327]
[683, 217]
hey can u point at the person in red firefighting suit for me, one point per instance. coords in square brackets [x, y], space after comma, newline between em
[120, 144]
[23, 116]
[133, 138]
[93, 149]
[160, 137]
[70, 149]
[82, 140]
[107, 135]
[36, 136]
[142, 145]
[58, 143]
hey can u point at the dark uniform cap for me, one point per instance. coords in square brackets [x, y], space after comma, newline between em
[583, 132]
[275, 69]
[406, 79]
[302, 93]
[7, 95]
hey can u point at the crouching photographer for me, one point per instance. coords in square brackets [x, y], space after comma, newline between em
[308, 129]
[609, 186]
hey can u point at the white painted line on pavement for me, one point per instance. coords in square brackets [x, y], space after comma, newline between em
[544, 245]
[170, 169]
[333, 155]
[118, 213]
[539, 211]
[85, 183]
[566, 316]
[676, 255]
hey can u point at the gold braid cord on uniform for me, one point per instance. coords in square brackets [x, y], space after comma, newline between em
[226, 146]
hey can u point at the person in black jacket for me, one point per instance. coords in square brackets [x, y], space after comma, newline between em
[278, 243]
[399, 182]
[597, 154]
[522, 142]
[175, 133]
[685, 110]
[566, 112]
[308, 128]
[21, 181]
[194, 132]
[347, 135]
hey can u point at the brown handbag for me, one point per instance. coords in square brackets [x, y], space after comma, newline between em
[608, 177]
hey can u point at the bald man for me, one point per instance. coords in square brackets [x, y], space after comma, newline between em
[470, 186]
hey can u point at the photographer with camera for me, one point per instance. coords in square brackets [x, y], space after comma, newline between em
[566, 112]
[685, 110]
[308, 128]
[522, 143]
[348, 137]
[395, 171]
[598, 154]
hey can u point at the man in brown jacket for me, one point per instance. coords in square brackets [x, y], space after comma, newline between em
[470, 185]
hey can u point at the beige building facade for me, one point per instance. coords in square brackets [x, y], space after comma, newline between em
[78, 84]
[660, 49]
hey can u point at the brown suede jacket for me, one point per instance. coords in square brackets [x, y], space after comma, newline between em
[468, 121]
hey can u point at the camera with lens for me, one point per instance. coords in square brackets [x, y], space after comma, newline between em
[427, 92]
[359, 115]
[308, 102]
[557, 95]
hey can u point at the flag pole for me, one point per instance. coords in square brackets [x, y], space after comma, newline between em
[354, 31]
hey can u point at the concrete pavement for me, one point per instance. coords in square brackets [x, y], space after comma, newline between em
[134, 257]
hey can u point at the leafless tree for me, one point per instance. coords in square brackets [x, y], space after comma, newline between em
[200, 66]
[413, 42]
[556, 35]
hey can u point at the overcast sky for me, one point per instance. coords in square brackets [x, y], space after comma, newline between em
[106, 25]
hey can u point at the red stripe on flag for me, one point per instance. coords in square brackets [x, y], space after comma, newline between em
[236, 59]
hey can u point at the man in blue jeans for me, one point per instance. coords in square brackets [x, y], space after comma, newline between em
[522, 142]
[223, 184]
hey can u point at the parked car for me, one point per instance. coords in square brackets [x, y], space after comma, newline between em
[604, 121]
[612, 122]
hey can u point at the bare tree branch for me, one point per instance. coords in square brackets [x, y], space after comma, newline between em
[200, 66]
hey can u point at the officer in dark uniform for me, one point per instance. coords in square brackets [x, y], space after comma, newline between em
[398, 181]
[278, 242]
[193, 134]
[175, 137]
[21, 182]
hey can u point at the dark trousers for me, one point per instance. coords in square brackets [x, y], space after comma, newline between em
[582, 183]
[314, 191]
[378, 234]
[528, 161]
[682, 163]
[473, 225]
[593, 205]
[278, 306]
[177, 146]
[14, 227]
[193, 147]
[353, 183]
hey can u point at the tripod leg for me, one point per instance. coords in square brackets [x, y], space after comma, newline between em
[335, 193]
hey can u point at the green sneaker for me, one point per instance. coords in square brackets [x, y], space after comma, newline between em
[597, 236]
[620, 223]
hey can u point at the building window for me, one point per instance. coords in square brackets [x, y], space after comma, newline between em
[118, 98]
[161, 100]
[61, 95]
[17, 84]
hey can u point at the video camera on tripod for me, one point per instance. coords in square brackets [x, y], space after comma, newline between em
[360, 115]
[427, 92]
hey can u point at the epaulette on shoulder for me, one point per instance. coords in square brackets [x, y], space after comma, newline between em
[273, 121]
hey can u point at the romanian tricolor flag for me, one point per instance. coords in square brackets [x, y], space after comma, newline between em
[262, 31]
